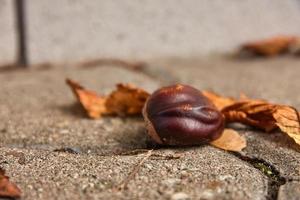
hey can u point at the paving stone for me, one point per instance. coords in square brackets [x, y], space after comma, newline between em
[290, 191]
[277, 149]
[39, 120]
[52, 175]
[72, 30]
[7, 34]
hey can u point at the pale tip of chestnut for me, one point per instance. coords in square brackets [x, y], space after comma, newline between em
[151, 130]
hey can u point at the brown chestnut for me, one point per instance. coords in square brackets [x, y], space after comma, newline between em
[182, 115]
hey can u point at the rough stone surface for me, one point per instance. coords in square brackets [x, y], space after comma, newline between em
[44, 104]
[207, 172]
[7, 33]
[72, 30]
[277, 149]
[290, 191]
[52, 151]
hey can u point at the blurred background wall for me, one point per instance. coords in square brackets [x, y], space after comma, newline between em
[75, 30]
[7, 32]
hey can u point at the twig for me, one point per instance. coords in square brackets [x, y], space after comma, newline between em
[154, 156]
[166, 157]
[135, 170]
[113, 61]
[132, 152]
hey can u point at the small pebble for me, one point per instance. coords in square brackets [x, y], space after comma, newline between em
[208, 194]
[184, 174]
[171, 182]
[148, 166]
[64, 131]
[180, 196]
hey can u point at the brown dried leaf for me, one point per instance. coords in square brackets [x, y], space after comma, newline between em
[8, 189]
[255, 113]
[271, 46]
[219, 101]
[259, 113]
[92, 103]
[295, 47]
[230, 140]
[125, 100]
[288, 120]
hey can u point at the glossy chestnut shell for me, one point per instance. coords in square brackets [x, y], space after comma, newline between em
[182, 115]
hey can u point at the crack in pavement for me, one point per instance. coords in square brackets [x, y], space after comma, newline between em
[275, 180]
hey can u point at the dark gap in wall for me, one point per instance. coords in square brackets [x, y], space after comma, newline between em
[20, 24]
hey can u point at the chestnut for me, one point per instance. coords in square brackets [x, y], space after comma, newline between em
[182, 115]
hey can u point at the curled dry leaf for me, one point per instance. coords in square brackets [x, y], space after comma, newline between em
[8, 189]
[295, 47]
[125, 100]
[260, 114]
[255, 113]
[230, 140]
[92, 103]
[219, 101]
[287, 119]
[271, 46]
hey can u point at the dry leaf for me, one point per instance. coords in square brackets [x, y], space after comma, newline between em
[219, 101]
[126, 100]
[295, 47]
[288, 120]
[270, 47]
[255, 113]
[259, 113]
[8, 189]
[92, 103]
[230, 140]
